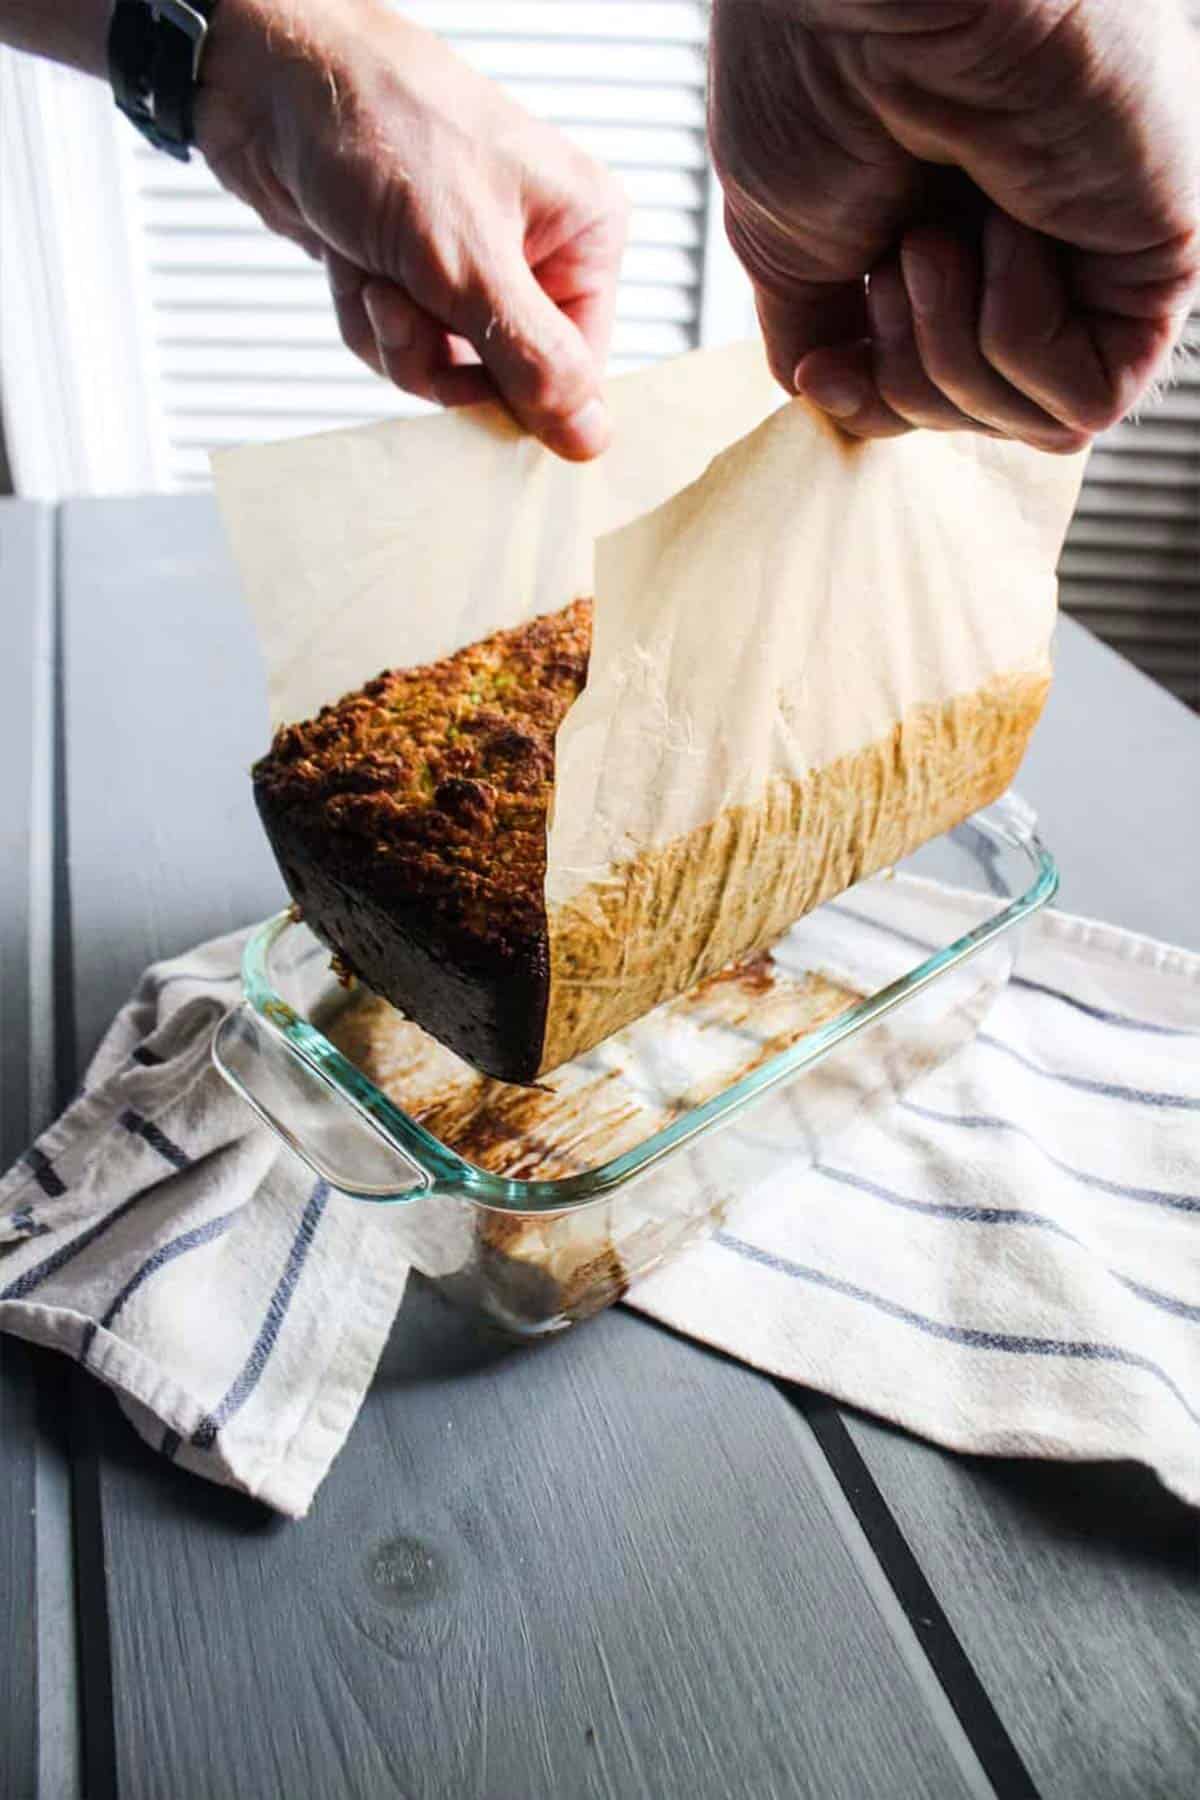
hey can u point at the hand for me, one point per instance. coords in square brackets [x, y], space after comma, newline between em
[471, 251]
[963, 214]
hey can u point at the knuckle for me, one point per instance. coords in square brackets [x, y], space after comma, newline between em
[549, 391]
[605, 194]
[902, 390]
[548, 376]
[1083, 417]
[1067, 443]
[910, 394]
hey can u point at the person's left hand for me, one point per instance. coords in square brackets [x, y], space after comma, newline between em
[472, 251]
[963, 215]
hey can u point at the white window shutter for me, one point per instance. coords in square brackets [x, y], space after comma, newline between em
[243, 342]
[1131, 566]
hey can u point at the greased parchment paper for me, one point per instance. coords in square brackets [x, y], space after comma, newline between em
[809, 654]
[389, 545]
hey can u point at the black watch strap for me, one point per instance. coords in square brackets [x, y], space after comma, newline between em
[154, 52]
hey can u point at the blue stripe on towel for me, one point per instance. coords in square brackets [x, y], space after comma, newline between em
[45, 1174]
[1110, 1090]
[158, 1140]
[1122, 1021]
[1147, 1196]
[166, 1253]
[58, 1259]
[945, 1209]
[1005, 1215]
[894, 931]
[996, 1341]
[239, 1392]
[21, 1219]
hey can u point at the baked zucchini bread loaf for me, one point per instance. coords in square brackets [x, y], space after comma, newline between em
[409, 822]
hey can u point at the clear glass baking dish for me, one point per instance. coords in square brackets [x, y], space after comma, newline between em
[538, 1207]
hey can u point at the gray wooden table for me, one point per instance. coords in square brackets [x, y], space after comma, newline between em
[620, 1566]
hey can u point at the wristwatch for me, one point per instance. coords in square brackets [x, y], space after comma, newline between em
[154, 53]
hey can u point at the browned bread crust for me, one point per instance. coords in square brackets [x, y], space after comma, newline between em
[409, 822]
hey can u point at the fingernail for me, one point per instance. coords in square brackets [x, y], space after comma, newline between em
[923, 279]
[392, 323]
[839, 395]
[588, 429]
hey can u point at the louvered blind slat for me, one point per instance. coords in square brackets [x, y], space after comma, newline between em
[1130, 569]
[1131, 566]
[245, 344]
[657, 21]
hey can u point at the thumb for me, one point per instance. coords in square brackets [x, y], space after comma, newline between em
[540, 362]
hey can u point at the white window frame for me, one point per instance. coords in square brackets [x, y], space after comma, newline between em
[78, 393]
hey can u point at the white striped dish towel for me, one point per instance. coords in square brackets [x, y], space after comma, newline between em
[1006, 1261]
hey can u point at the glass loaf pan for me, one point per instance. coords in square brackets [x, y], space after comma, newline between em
[538, 1207]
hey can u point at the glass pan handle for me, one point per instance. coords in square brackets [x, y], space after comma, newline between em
[340, 1144]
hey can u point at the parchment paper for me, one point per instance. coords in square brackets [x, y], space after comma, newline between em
[808, 656]
[390, 545]
[786, 610]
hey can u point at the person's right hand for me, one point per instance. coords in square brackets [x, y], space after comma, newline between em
[472, 251]
[963, 214]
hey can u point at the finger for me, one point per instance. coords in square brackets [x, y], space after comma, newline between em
[1030, 332]
[942, 281]
[796, 317]
[346, 289]
[416, 353]
[841, 382]
[899, 372]
[581, 279]
[539, 361]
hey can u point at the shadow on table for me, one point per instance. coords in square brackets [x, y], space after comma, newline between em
[1105, 1504]
[102, 1435]
[1109, 1506]
[433, 1340]
[430, 1341]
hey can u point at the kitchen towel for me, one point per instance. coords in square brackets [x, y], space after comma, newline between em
[1005, 1260]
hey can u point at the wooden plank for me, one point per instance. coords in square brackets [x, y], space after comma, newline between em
[616, 1566]
[604, 1568]
[1073, 1590]
[26, 596]
[18, 1573]
[1114, 772]
[166, 711]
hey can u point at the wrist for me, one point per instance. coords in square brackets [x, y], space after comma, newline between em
[254, 49]
[231, 72]
[74, 32]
